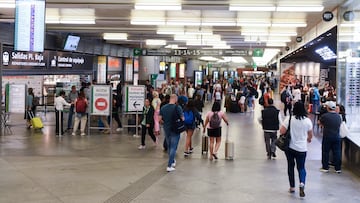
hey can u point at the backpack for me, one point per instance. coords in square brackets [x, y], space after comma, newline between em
[36, 101]
[189, 117]
[80, 106]
[262, 101]
[283, 96]
[215, 120]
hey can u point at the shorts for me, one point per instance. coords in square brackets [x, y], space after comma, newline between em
[190, 127]
[216, 132]
[242, 100]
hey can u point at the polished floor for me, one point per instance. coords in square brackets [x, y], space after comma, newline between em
[36, 166]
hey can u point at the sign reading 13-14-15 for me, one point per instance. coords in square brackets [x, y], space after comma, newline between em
[135, 96]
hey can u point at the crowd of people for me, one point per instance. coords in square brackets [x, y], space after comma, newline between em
[185, 101]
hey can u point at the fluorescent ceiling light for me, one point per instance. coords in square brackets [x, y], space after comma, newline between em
[219, 23]
[158, 6]
[268, 34]
[234, 7]
[184, 22]
[221, 47]
[155, 42]
[174, 46]
[244, 24]
[235, 60]
[7, 4]
[326, 53]
[276, 44]
[77, 21]
[288, 24]
[147, 22]
[170, 32]
[352, 24]
[300, 8]
[115, 36]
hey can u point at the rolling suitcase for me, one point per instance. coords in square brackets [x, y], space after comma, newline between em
[229, 147]
[204, 144]
[35, 121]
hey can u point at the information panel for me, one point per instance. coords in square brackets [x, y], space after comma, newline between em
[15, 98]
[100, 100]
[135, 96]
[29, 25]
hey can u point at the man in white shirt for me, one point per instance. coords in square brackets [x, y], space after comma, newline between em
[59, 104]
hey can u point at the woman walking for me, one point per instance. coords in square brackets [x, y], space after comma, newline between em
[147, 123]
[156, 102]
[301, 133]
[191, 115]
[213, 118]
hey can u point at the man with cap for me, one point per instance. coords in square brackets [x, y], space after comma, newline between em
[331, 122]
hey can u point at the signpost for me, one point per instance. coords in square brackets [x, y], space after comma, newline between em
[101, 100]
[135, 96]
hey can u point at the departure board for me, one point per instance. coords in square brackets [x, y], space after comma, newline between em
[29, 25]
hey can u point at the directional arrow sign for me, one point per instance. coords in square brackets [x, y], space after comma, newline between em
[137, 52]
[135, 97]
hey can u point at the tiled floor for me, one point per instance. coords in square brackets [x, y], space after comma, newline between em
[36, 166]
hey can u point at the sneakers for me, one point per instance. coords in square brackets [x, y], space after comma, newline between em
[186, 154]
[324, 170]
[82, 134]
[73, 134]
[301, 190]
[119, 129]
[173, 165]
[170, 169]
[191, 150]
[141, 147]
[338, 171]
[273, 154]
[106, 131]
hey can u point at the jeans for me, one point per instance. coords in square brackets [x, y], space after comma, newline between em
[172, 140]
[316, 105]
[270, 138]
[331, 143]
[299, 157]
[70, 117]
[117, 119]
[143, 134]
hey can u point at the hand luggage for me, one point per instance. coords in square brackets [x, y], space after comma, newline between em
[35, 121]
[204, 144]
[229, 147]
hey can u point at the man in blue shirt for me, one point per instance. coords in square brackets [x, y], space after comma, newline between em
[167, 117]
[316, 99]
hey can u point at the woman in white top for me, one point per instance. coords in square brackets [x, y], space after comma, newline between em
[156, 105]
[301, 133]
[296, 93]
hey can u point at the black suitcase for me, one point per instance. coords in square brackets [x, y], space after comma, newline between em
[132, 122]
[234, 107]
[204, 144]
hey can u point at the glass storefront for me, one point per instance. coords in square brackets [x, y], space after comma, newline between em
[348, 64]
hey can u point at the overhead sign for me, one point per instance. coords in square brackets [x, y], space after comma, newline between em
[195, 52]
[100, 100]
[258, 52]
[48, 59]
[135, 97]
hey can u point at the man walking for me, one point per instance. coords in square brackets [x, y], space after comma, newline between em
[167, 117]
[331, 122]
[270, 121]
[73, 95]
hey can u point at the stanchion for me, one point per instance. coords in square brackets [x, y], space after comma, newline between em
[1, 75]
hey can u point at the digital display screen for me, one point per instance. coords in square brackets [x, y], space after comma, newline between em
[114, 64]
[29, 25]
[71, 43]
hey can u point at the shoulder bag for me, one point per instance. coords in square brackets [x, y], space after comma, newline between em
[283, 141]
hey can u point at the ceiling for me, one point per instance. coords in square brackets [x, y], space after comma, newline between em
[237, 29]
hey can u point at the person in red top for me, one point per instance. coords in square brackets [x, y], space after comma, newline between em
[267, 96]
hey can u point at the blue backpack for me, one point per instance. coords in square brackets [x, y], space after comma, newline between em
[189, 117]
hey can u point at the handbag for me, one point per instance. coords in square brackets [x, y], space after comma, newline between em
[283, 141]
[178, 125]
[344, 131]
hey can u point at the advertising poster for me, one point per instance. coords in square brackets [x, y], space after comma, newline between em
[15, 98]
[182, 70]
[101, 100]
[114, 64]
[198, 77]
[287, 75]
[101, 70]
[129, 70]
[173, 70]
[136, 65]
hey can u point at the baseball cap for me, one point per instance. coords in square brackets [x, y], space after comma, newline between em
[331, 105]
